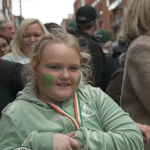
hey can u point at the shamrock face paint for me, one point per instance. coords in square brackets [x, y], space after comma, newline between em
[75, 80]
[47, 80]
[78, 80]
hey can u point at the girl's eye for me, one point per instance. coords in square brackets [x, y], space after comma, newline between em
[54, 67]
[74, 68]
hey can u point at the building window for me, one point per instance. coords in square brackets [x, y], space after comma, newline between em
[1, 5]
[6, 14]
[113, 4]
[8, 3]
[124, 10]
[95, 3]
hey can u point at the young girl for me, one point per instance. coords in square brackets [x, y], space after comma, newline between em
[55, 112]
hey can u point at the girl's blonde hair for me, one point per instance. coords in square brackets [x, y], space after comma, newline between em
[60, 36]
[16, 42]
[136, 21]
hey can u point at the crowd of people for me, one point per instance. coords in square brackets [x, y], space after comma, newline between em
[64, 89]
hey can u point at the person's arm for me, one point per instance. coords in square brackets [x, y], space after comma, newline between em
[11, 137]
[119, 132]
[51, 141]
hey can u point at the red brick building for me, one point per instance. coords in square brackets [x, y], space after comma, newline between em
[6, 9]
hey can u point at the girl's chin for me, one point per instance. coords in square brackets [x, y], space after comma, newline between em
[64, 97]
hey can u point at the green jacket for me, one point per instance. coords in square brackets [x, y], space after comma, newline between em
[30, 122]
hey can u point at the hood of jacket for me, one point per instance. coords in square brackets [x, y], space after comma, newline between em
[29, 94]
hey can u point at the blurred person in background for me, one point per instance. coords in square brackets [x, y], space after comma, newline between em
[7, 29]
[115, 83]
[4, 46]
[115, 64]
[119, 49]
[103, 37]
[87, 22]
[135, 95]
[10, 82]
[27, 35]
[72, 27]
[51, 25]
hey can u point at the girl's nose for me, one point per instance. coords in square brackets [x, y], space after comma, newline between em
[65, 74]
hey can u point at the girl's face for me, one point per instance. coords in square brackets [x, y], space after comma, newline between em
[31, 35]
[58, 73]
[4, 47]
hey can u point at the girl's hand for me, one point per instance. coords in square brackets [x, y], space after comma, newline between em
[65, 141]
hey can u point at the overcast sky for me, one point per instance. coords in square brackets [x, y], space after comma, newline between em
[44, 10]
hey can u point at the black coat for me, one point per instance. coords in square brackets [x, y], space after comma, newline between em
[98, 59]
[10, 81]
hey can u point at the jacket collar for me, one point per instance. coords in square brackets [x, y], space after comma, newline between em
[86, 35]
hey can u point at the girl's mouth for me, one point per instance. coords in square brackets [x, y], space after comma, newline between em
[63, 84]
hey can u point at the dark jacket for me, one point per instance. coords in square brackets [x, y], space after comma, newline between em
[10, 81]
[98, 59]
[115, 84]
